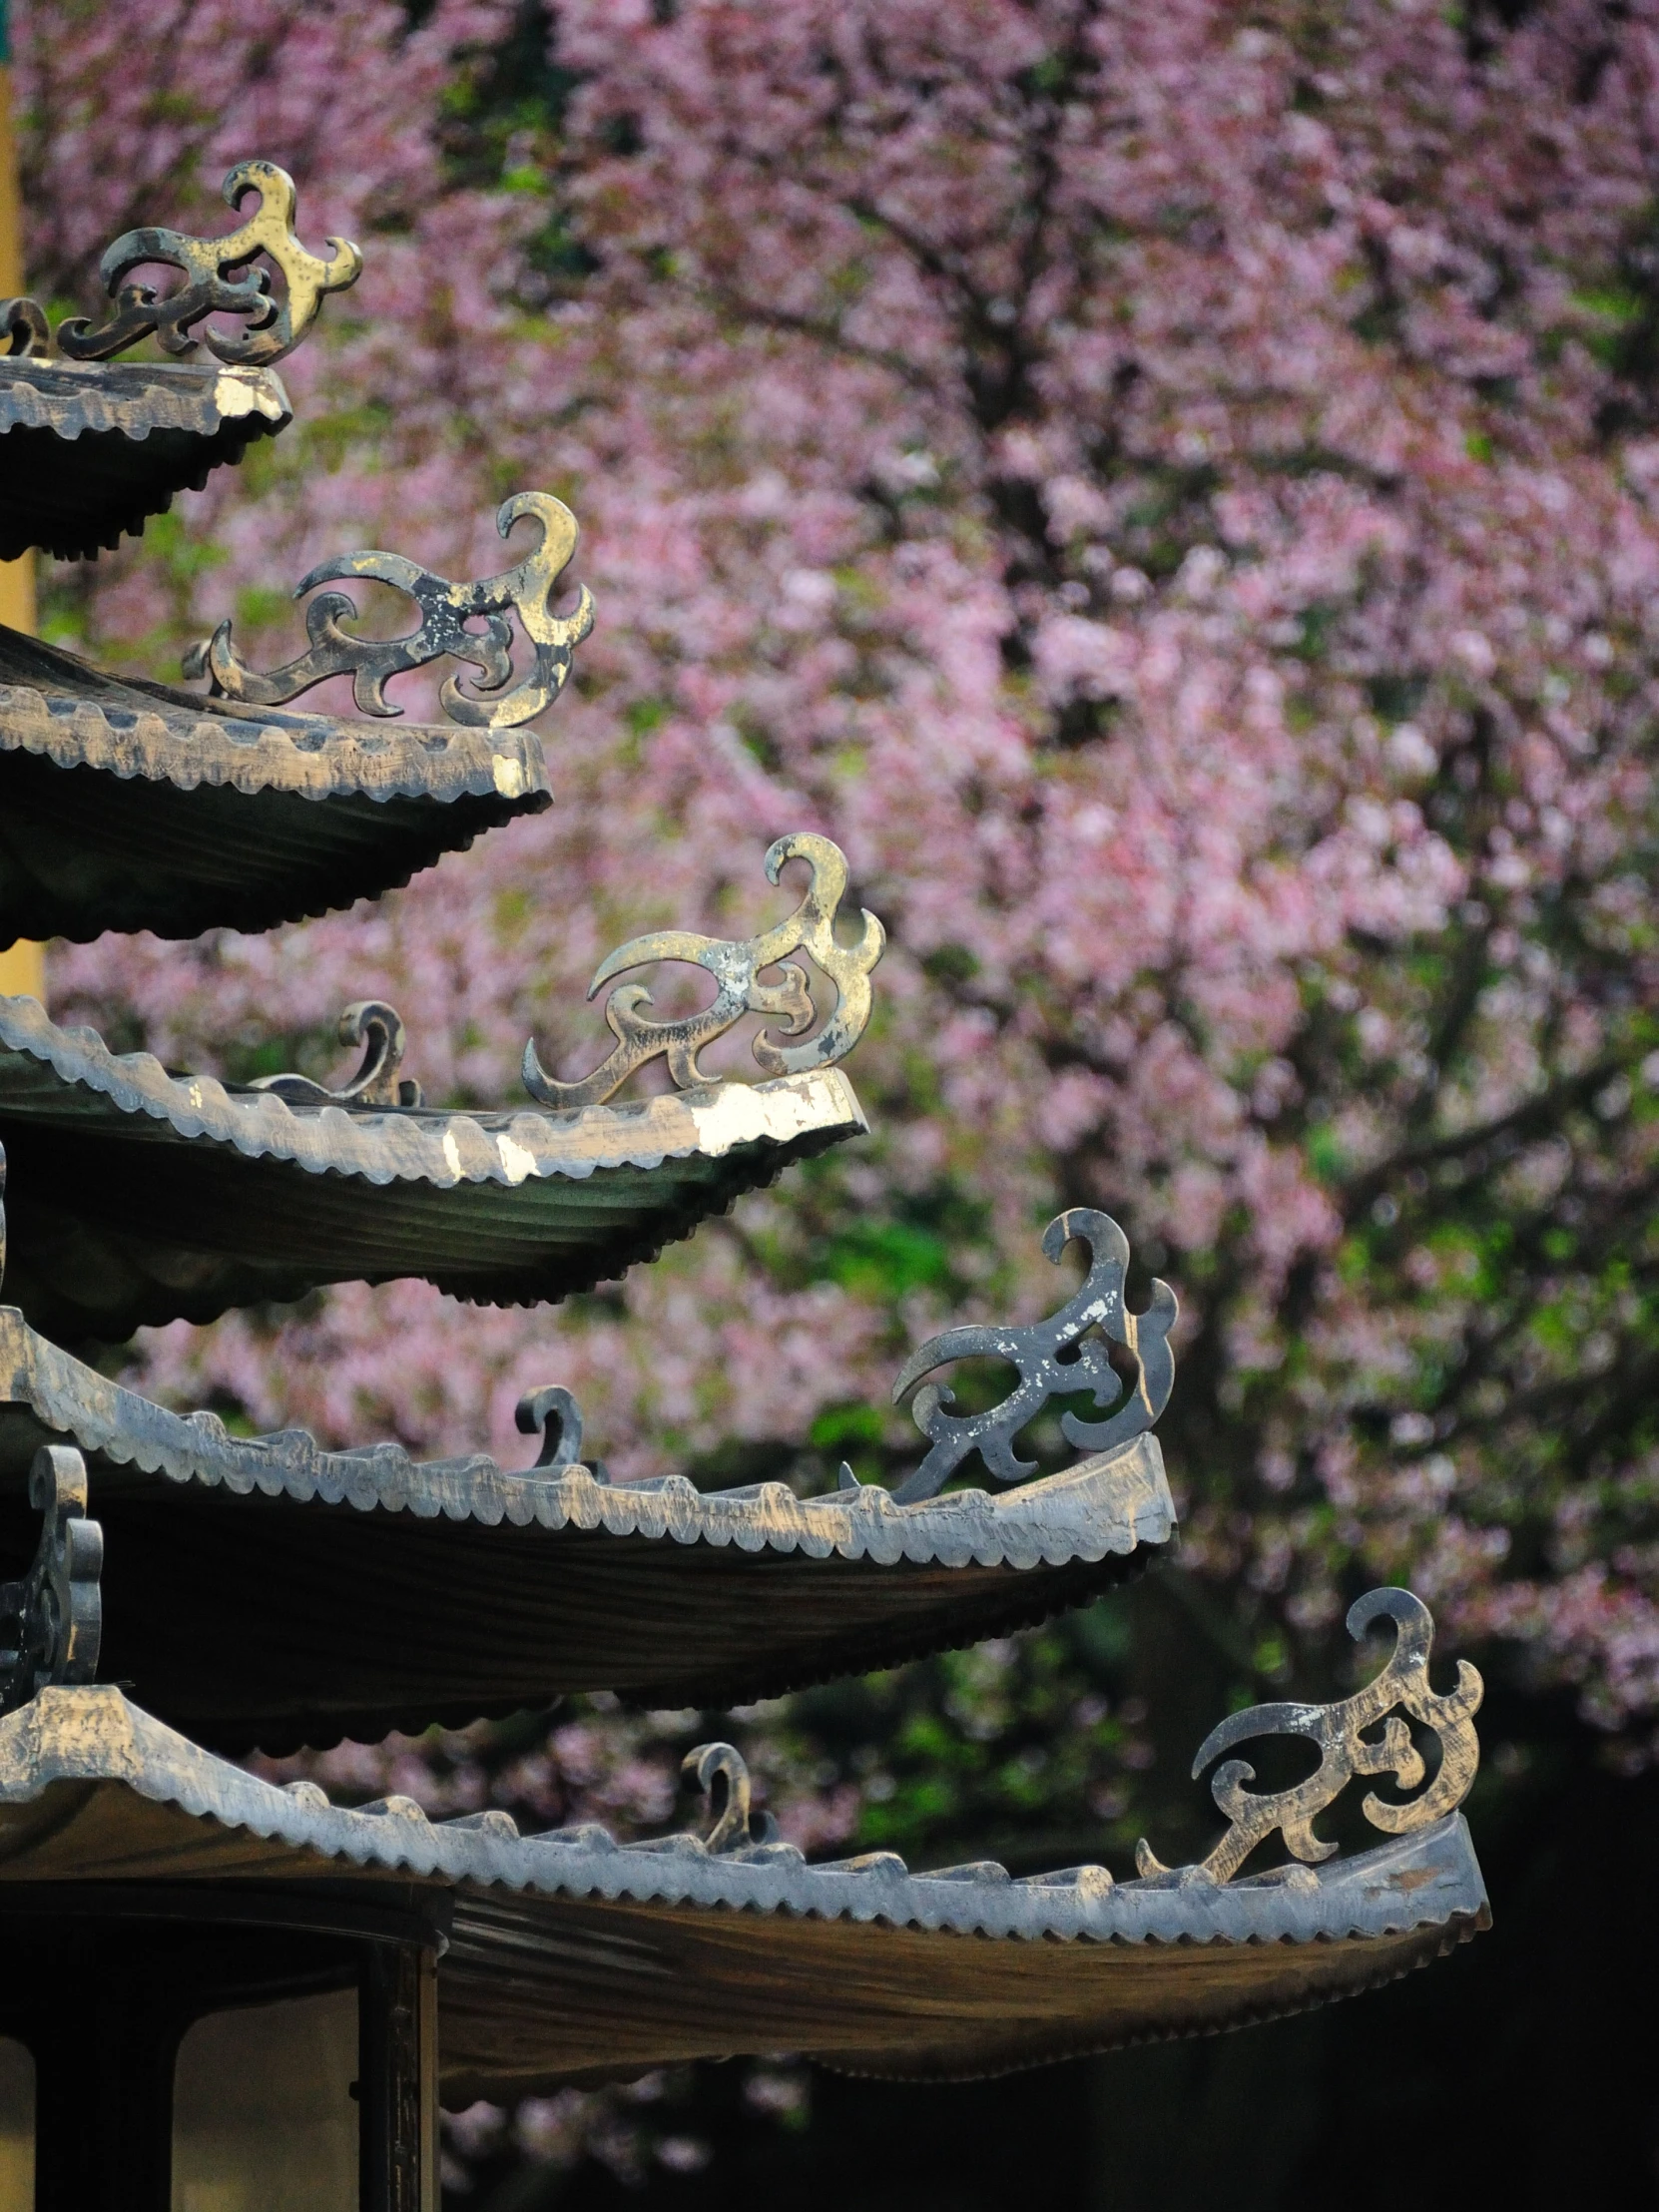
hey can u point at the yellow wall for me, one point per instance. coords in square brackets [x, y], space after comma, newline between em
[11, 227]
[23, 967]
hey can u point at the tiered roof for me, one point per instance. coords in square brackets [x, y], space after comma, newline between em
[393, 1592]
[396, 1593]
[568, 1955]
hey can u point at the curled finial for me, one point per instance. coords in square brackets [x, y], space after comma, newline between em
[1345, 1751]
[734, 1828]
[1056, 1357]
[445, 611]
[272, 325]
[25, 329]
[554, 1416]
[736, 967]
[52, 1621]
[378, 1028]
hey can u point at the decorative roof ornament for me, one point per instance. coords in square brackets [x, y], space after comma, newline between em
[736, 967]
[445, 610]
[1345, 1750]
[1057, 1357]
[273, 325]
[27, 333]
[378, 1028]
[553, 1414]
[1337, 1729]
[52, 1621]
[734, 1828]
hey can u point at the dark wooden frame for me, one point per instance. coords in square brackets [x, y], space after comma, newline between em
[104, 1981]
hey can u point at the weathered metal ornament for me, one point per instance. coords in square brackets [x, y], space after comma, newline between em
[272, 327]
[27, 333]
[51, 1622]
[553, 1414]
[445, 610]
[737, 968]
[734, 1826]
[378, 1028]
[1344, 1749]
[1057, 1357]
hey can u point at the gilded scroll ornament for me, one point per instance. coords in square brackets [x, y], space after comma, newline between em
[737, 968]
[1345, 1751]
[52, 1621]
[1057, 1357]
[445, 610]
[272, 325]
[378, 1028]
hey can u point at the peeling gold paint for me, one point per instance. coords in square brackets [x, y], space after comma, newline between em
[515, 1159]
[244, 394]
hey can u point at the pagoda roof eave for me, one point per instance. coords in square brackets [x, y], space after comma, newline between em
[130, 805]
[570, 1955]
[194, 1198]
[93, 449]
[396, 1593]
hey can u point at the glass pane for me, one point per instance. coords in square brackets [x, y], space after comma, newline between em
[17, 2127]
[264, 2119]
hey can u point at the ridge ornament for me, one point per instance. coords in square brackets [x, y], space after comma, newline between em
[736, 966]
[378, 1028]
[735, 1827]
[52, 1620]
[1345, 1750]
[272, 326]
[1056, 1357]
[445, 610]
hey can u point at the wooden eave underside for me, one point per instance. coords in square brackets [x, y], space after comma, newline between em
[138, 1197]
[130, 806]
[90, 450]
[395, 1593]
[572, 1956]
